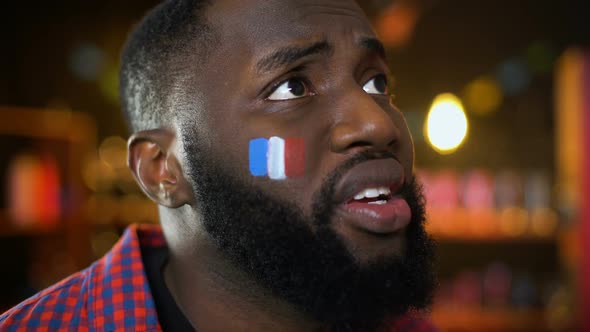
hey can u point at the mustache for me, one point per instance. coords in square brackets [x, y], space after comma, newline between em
[323, 200]
[360, 157]
[329, 184]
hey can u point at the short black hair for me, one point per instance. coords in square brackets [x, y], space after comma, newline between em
[151, 57]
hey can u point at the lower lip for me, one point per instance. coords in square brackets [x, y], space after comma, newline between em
[382, 219]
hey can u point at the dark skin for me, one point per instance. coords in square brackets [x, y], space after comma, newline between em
[335, 103]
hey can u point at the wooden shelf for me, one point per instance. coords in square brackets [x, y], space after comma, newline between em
[7, 230]
[488, 319]
[491, 238]
[492, 225]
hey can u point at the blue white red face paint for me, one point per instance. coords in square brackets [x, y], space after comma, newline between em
[278, 158]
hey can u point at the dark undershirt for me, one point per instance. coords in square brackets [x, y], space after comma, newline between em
[169, 315]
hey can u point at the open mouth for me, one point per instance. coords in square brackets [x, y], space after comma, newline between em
[375, 196]
[370, 199]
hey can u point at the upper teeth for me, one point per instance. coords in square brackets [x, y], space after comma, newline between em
[372, 193]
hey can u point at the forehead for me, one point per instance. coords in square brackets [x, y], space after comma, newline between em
[263, 23]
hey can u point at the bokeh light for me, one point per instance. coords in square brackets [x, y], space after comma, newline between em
[541, 57]
[514, 76]
[109, 84]
[513, 221]
[113, 151]
[97, 174]
[483, 96]
[544, 222]
[34, 190]
[87, 62]
[446, 124]
[396, 24]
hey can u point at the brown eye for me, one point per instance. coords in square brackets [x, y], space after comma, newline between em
[376, 85]
[290, 89]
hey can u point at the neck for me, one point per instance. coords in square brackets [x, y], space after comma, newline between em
[214, 295]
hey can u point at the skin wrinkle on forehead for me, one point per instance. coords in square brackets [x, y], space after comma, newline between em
[262, 31]
[284, 56]
[260, 37]
[264, 23]
[334, 8]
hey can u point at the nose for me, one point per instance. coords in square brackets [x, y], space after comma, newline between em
[362, 122]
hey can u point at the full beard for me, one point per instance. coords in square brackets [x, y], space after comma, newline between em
[301, 259]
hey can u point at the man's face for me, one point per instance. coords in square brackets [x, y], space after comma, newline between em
[311, 70]
[329, 90]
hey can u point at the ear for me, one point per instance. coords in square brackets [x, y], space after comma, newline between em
[156, 169]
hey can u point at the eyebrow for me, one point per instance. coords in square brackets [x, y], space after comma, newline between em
[288, 55]
[374, 45]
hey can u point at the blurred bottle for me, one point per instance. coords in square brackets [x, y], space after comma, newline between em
[478, 199]
[559, 309]
[524, 292]
[508, 189]
[497, 283]
[543, 219]
[444, 295]
[467, 288]
[34, 191]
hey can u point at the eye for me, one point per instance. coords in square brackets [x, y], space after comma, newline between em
[376, 85]
[292, 88]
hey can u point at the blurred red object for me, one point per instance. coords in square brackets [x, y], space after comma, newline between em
[34, 191]
[395, 25]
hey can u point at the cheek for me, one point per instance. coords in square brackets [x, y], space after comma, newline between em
[277, 158]
[279, 166]
[405, 148]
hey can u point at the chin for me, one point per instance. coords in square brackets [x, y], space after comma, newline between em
[367, 247]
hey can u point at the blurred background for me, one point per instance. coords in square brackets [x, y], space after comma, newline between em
[495, 92]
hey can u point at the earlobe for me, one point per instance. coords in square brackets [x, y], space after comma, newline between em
[152, 161]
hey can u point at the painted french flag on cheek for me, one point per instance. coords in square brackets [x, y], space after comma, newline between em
[277, 158]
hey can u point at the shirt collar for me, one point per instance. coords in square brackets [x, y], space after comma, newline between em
[119, 294]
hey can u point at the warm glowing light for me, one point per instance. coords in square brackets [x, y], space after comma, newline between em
[113, 151]
[108, 83]
[396, 23]
[483, 96]
[446, 125]
[34, 190]
[514, 221]
[544, 222]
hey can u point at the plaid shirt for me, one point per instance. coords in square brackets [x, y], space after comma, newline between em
[112, 294]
